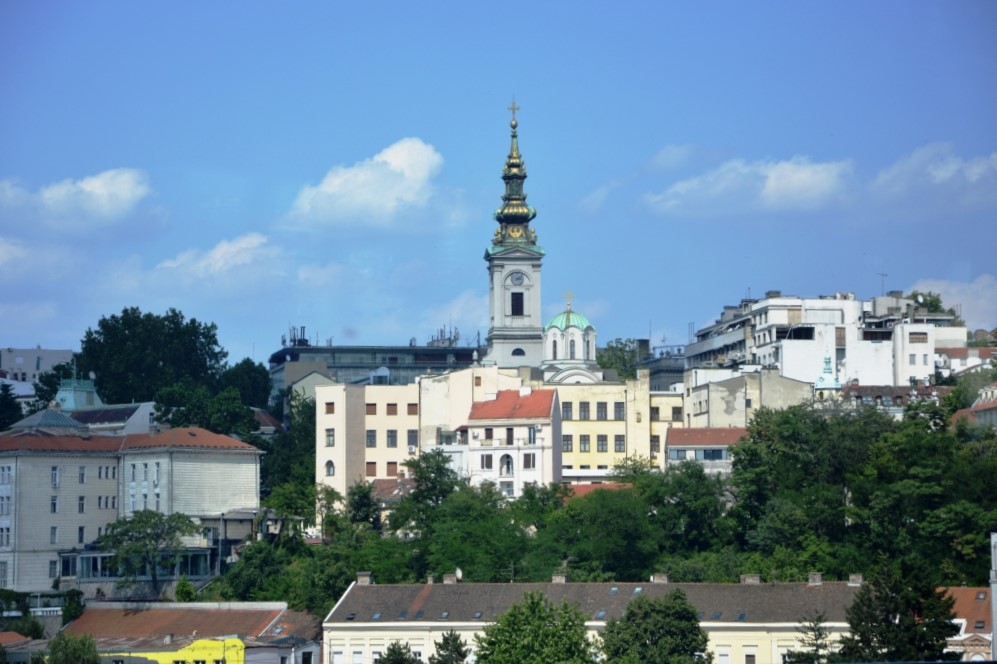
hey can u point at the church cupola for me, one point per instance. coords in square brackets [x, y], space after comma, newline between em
[515, 215]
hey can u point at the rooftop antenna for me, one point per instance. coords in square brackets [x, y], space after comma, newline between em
[882, 282]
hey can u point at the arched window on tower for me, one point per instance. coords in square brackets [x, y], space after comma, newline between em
[553, 349]
[588, 349]
[506, 467]
[571, 346]
[330, 469]
[518, 352]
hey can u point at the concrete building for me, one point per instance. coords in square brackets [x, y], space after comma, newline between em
[26, 364]
[707, 446]
[732, 402]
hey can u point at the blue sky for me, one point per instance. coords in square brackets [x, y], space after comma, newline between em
[336, 165]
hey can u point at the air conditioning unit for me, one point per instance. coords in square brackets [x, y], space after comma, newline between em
[540, 427]
[412, 449]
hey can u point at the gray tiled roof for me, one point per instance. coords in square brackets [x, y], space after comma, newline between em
[717, 602]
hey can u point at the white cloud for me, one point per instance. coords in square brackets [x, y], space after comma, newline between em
[976, 301]
[794, 184]
[376, 189]
[468, 311]
[10, 251]
[224, 257]
[595, 199]
[935, 169]
[672, 156]
[78, 204]
[318, 276]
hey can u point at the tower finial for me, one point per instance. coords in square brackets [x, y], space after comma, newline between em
[514, 209]
[513, 107]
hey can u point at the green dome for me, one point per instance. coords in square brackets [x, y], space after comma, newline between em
[566, 319]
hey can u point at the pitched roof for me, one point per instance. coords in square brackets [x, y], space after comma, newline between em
[392, 490]
[704, 436]
[186, 437]
[48, 419]
[514, 405]
[7, 638]
[579, 490]
[972, 605]
[105, 414]
[36, 442]
[484, 602]
[117, 620]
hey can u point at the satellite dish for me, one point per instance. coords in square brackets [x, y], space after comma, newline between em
[92, 375]
[920, 299]
[458, 573]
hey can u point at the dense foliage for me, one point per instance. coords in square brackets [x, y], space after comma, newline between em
[141, 541]
[67, 648]
[10, 409]
[656, 631]
[622, 355]
[534, 631]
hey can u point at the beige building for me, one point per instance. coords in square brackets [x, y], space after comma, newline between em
[732, 401]
[748, 623]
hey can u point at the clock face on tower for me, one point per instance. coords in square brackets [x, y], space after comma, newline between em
[516, 278]
[516, 231]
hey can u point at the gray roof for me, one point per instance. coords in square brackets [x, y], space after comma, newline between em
[470, 602]
[50, 419]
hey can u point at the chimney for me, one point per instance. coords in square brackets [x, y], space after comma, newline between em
[855, 579]
[365, 579]
[430, 580]
[751, 579]
[449, 579]
[559, 577]
[659, 578]
[815, 579]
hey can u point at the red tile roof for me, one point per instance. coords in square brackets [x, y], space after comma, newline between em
[511, 405]
[188, 437]
[7, 638]
[32, 442]
[579, 490]
[972, 608]
[704, 436]
[119, 621]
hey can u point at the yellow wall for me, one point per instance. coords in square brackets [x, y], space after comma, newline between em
[231, 651]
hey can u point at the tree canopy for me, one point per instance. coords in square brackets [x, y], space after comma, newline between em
[10, 409]
[656, 631]
[535, 631]
[142, 541]
[620, 354]
[67, 648]
[135, 354]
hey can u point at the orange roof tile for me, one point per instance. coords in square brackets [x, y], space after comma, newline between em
[705, 436]
[28, 442]
[579, 490]
[973, 608]
[7, 638]
[511, 405]
[189, 437]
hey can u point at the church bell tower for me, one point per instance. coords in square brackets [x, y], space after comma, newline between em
[515, 329]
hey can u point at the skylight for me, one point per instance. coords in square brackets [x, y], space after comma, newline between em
[600, 614]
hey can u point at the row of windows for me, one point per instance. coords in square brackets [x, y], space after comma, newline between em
[531, 436]
[656, 413]
[716, 454]
[601, 410]
[81, 538]
[391, 437]
[389, 408]
[103, 473]
[601, 442]
[506, 464]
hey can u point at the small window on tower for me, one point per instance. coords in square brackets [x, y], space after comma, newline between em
[517, 304]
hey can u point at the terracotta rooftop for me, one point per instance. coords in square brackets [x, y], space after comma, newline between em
[7, 638]
[188, 437]
[579, 490]
[704, 436]
[972, 605]
[512, 405]
[392, 490]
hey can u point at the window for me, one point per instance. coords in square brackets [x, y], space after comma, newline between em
[371, 469]
[619, 411]
[372, 409]
[82, 504]
[571, 349]
[392, 469]
[486, 462]
[747, 403]
[83, 473]
[4, 505]
[583, 443]
[529, 461]
[506, 489]
[925, 359]
[566, 410]
[516, 304]
[131, 502]
[133, 472]
[620, 443]
[413, 409]
[53, 535]
[655, 413]
[114, 502]
[508, 436]
[677, 413]
[330, 437]
[53, 569]
[912, 359]
[330, 407]
[55, 476]
[155, 475]
[477, 381]
[583, 410]
[4, 536]
[54, 505]
[392, 409]
[489, 434]
[567, 443]
[145, 501]
[413, 437]
[392, 437]
[655, 444]
[330, 469]
[371, 438]
[3, 574]
[4, 474]
[114, 472]
[531, 436]
[918, 337]
[601, 443]
[749, 659]
[600, 410]
[553, 349]
[81, 536]
[145, 472]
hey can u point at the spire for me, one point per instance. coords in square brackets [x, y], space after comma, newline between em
[514, 209]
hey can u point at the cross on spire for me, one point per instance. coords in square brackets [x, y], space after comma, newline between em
[568, 296]
[513, 107]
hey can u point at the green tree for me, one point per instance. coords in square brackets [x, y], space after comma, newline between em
[135, 354]
[290, 455]
[899, 615]
[435, 479]
[142, 542]
[660, 631]
[251, 380]
[450, 649]
[622, 355]
[190, 405]
[67, 648]
[10, 409]
[534, 631]
[185, 591]
[361, 506]
[398, 653]
[47, 385]
[815, 641]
